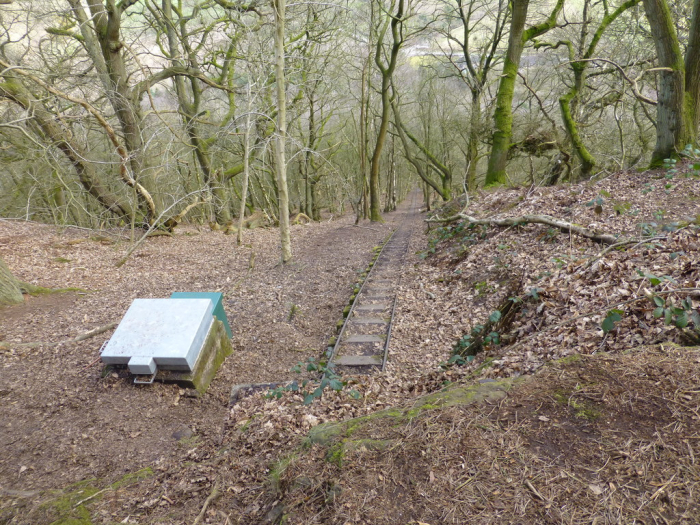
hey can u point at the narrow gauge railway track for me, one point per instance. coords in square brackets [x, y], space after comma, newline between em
[362, 346]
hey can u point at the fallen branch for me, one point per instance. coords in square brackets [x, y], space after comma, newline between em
[564, 226]
[93, 332]
[77, 339]
[215, 493]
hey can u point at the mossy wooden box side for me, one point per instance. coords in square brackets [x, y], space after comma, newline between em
[217, 347]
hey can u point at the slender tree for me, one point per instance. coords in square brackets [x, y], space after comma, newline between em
[386, 64]
[280, 142]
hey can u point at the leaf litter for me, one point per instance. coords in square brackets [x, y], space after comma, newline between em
[609, 434]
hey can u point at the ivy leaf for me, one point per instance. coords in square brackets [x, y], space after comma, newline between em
[695, 316]
[608, 323]
[653, 279]
[682, 320]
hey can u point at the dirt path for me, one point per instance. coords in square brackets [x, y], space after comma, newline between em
[60, 422]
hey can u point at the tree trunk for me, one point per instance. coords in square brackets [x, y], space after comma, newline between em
[10, 292]
[473, 145]
[280, 143]
[246, 171]
[503, 115]
[47, 124]
[387, 72]
[692, 71]
[674, 128]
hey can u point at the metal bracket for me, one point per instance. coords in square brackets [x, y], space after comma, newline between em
[138, 381]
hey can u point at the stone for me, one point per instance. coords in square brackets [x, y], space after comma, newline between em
[184, 432]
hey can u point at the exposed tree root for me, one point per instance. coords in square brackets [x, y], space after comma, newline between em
[301, 218]
[564, 226]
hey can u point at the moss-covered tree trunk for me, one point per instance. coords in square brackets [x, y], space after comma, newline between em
[579, 67]
[473, 144]
[280, 143]
[503, 114]
[674, 111]
[692, 69]
[10, 292]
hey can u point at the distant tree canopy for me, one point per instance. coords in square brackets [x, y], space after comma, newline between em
[127, 113]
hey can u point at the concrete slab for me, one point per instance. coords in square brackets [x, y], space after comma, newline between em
[170, 331]
[371, 307]
[368, 320]
[359, 360]
[362, 338]
[216, 297]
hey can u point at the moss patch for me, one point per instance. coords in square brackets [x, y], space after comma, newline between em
[451, 396]
[71, 505]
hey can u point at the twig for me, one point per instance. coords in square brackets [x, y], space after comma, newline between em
[636, 243]
[534, 490]
[85, 500]
[215, 493]
[94, 332]
[363, 227]
[82, 337]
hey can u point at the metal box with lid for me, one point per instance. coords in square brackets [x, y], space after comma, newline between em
[163, 334]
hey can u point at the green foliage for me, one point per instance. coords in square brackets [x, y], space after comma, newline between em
[483, 288]
[313, 389]
[612, 317]
[477, 331]
[680, 316]
[689, 152]
[534, 293]
[653, 279]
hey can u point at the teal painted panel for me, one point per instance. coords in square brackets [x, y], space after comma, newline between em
[217, 299]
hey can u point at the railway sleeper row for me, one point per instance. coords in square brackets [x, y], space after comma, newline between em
[363, 342]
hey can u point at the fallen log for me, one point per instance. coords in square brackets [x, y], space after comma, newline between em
[547, 220]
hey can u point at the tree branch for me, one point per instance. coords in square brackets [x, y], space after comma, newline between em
[564, 226]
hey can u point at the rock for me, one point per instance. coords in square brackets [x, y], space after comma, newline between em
[184, 432]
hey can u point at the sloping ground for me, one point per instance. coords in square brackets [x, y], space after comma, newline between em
[590, 439]
[603, 436]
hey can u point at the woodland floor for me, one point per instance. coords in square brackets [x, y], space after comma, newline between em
[626, 449]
